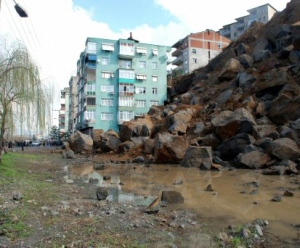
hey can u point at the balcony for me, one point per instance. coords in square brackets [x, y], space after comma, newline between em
[178, 61]
[177, 53]
[240, 25]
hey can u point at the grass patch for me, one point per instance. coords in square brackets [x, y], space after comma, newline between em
[36, 192]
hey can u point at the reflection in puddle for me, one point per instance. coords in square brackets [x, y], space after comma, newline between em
[238, 197]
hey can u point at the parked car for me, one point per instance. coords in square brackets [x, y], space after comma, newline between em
[36, 143]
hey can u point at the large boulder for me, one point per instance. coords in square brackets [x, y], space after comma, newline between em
[137, 130]
[169, 149]
[80, 142]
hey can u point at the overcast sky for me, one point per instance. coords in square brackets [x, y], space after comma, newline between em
[56, 30]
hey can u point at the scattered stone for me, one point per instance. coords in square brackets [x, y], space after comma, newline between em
[17, 196]
[276, 198]
[101, 193]
[288, 193]
[209, 188]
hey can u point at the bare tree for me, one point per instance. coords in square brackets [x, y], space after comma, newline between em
[20, 87]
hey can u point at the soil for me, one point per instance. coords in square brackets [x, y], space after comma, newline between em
[61, 214]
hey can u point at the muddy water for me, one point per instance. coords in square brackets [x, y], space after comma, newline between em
[239, 196]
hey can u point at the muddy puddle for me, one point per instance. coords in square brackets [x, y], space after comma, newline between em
[238, 196]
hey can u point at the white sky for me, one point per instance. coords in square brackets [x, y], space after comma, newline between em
[56, 30]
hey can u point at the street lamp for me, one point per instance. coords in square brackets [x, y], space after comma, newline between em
[22, 12]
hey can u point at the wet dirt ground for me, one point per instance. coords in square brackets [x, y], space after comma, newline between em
[238, 196]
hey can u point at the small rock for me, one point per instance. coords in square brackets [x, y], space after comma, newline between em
[276, 198]
[288, 193]
[209, 188]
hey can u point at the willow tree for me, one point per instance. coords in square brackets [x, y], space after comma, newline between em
[20, 86]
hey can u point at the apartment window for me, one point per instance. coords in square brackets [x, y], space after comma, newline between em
[107, 88]
[194, 60]
[154, 65]
[126, 48]
[107, 74]
[89, 115]
[141, 77]
[126, 115]
[153, 103]
[155, 51]
[126, 101]
[125, 64]
[128, 74]
[194, 51]
[91, 101]
[108, 47]
[104, 61]
[91, 47]
[126, 89]
[154, 91]
[91, 88]
[154, 78]
[107, 102]
[141, 50]
[140, 103]
[140, 90]
[142, 64]
[107, 116]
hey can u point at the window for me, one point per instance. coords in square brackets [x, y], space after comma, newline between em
[126, 48]
[140, 90]
[107, 102]
[155, 51]
[91, 47]
[106, 116]
[89, 115]
[154, 91]
[154, 65]
[141, 77]
[91, 88]
[104, 61]
[194, 51]
[108, 47]
[91, 101]
[142, 64]
[141, 50]
[128, 74]
[194, 60]
[107, 88]
[125, 116]
[153, 103]
[126, 89]
[140, 103]
[125, 64]
[126, 101]
[107, 74]
[154, 78]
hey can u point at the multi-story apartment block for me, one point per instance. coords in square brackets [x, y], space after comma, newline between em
[64, 111]
[261, 14]
[118, 80]
[196, 50]
[72, 103]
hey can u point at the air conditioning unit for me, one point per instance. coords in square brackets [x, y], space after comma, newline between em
[111, 93]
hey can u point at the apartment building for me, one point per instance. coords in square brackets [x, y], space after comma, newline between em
[117, 81]
[72, 103]
[196, 50]
[262, 14]
[64, 112]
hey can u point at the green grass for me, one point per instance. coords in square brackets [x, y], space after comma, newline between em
[14, 176]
